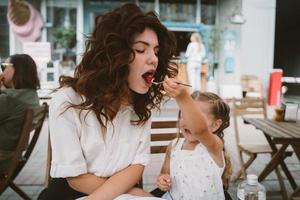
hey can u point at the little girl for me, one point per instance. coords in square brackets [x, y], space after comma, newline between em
[195, 165]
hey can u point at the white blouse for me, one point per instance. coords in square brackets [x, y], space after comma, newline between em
[78, 144]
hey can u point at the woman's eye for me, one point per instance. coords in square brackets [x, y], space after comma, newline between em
[140, 51]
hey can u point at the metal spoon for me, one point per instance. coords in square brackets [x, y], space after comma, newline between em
[157, 83]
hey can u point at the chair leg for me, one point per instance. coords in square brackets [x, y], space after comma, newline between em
[244, 166]
[281, 184]
[19, 191]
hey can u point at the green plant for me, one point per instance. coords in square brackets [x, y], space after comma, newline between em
[63, 36]
[214, 43]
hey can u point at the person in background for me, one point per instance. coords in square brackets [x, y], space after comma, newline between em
[100, 119]
[195, 53]
[19, 83]
[196, 163]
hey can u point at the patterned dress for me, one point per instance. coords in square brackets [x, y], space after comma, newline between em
[194, 174]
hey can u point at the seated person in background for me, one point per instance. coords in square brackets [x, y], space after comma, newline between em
[196, 164]
[18, 82]
[67, 64]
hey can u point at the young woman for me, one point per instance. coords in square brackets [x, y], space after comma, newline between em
[18, 82]
[195, 53]
[100, 119]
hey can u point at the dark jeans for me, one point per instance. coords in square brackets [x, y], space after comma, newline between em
[59, 189]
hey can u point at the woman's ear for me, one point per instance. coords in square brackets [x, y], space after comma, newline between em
[216, 125]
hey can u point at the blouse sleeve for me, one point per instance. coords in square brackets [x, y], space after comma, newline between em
[188, 50]
[67, 156]
[143, 152]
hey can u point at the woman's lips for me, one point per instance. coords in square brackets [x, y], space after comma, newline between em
[148, 77]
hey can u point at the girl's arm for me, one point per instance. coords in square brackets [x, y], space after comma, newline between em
[163, 181]
[165, 169]
[193, 116]
[119, 183]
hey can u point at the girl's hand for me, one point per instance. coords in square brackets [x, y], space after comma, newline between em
[163, 182]
[174, 89]
[1, 79]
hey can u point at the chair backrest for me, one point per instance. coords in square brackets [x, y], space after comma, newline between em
[30, 131]
[252, 84]
[247, 106]
[162, 132]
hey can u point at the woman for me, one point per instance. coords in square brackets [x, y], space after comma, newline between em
[18, 82]
[100, 119]
[195, 53]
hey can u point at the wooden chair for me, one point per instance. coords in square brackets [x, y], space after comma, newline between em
[162, 132]
[247, 107]
[30, 131]
[252, 85]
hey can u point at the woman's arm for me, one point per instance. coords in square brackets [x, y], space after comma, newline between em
[86, 183]
[119, 183]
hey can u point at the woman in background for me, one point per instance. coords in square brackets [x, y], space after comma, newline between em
[195, 53]
[19, 83]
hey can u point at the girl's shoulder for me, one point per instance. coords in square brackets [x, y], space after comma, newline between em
[176, 143]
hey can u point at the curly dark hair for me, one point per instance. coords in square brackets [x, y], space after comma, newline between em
[102, 75]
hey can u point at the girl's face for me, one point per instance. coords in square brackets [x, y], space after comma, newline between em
[8, 73]
[144, 65]
[206, 109]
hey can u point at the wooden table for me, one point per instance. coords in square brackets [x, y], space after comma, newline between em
[284, 133]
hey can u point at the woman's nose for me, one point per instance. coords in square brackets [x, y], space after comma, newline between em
[153, 59]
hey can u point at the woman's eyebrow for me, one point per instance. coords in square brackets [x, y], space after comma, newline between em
[145, 43]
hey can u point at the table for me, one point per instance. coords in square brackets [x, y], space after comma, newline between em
[284, 133]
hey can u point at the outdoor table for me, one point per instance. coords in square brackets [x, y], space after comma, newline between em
[284, 133]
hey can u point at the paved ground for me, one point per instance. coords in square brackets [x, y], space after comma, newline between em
[32, 178]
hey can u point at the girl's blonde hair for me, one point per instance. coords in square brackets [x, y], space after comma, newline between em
[220, 110]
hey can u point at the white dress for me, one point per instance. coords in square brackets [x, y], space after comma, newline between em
[194, 174]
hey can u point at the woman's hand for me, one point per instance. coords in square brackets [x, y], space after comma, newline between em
[174, 89]
[163, 182]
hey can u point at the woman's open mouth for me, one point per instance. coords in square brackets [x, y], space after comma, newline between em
[149, 76]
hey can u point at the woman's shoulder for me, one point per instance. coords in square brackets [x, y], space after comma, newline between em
[66, 94]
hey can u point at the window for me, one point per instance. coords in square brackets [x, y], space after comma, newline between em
[4, 33]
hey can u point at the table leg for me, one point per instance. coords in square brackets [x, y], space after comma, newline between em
[281, 161]
[275, 160]
[297, 152]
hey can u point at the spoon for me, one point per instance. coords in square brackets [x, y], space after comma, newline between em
[160, 82]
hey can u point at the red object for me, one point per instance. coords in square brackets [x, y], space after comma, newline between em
[275, 87]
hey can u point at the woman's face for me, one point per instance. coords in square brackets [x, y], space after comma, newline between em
[144, 65]
[8, 72]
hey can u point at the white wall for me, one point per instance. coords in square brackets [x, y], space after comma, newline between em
[258, 35]
[255, 39]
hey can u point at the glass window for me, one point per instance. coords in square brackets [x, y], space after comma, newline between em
[208, 11]
[4, 33]
[147, 5]
[61, 24]
[182, 11]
